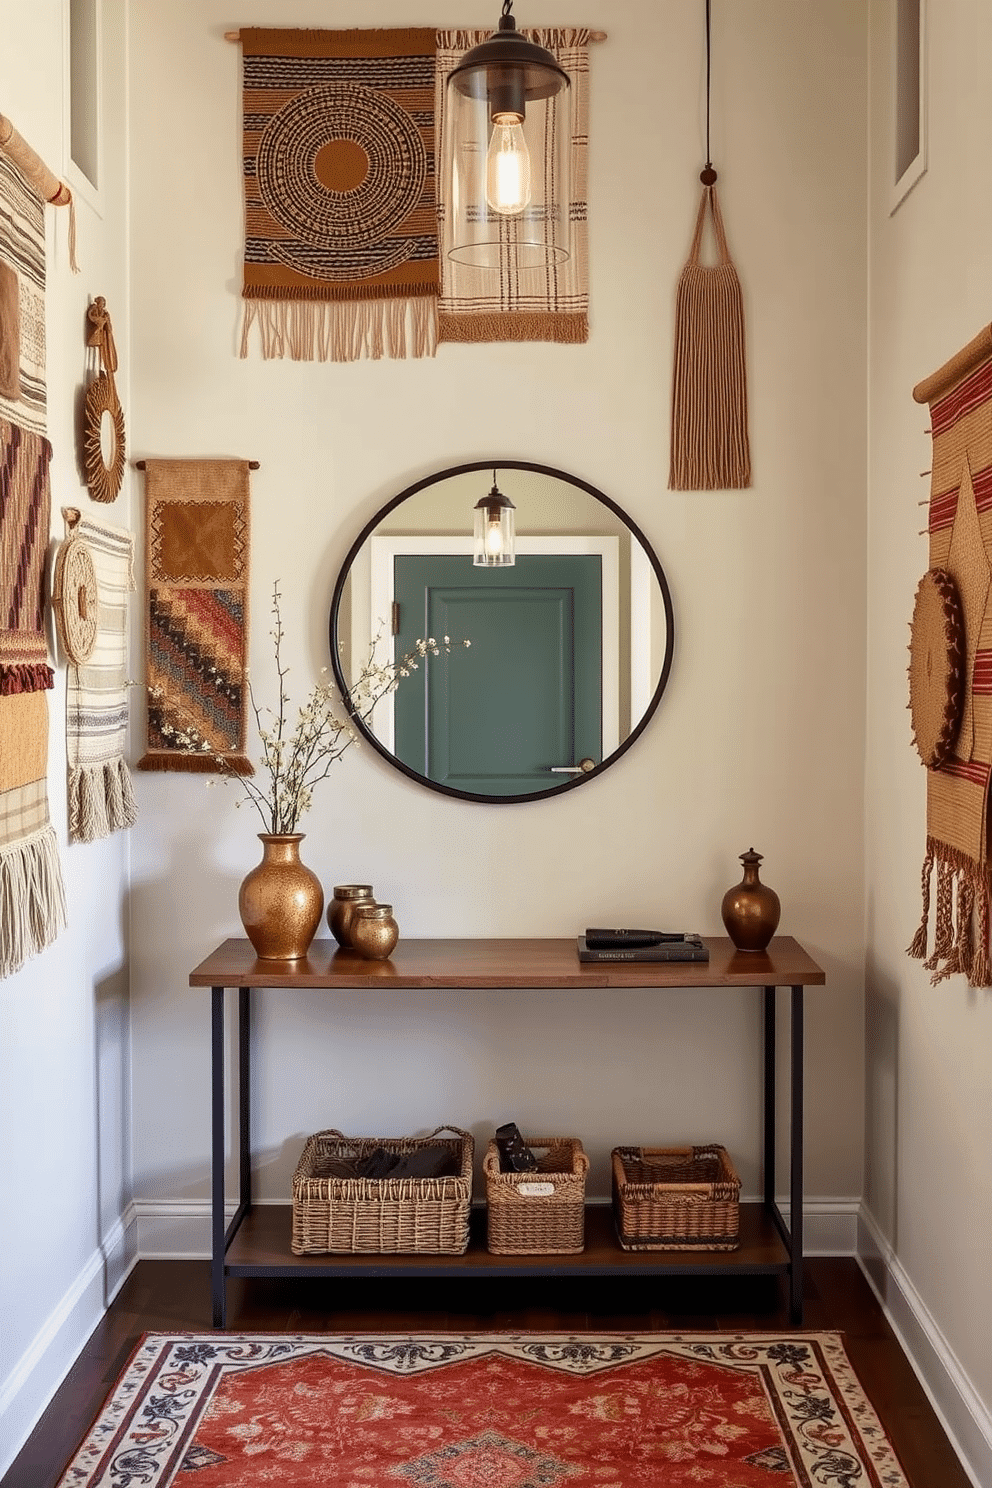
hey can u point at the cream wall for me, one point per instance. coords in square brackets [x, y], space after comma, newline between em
[64, 1089]
[760, 736]
[929, 1121]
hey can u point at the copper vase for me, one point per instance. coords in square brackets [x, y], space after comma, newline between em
[751, 910]
[281, 901]
[341, 910]
[374, 931]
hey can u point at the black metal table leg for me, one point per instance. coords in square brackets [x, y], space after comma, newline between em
[796, 1168]
[244, 1095]
[217, 1236]
[769, 1092]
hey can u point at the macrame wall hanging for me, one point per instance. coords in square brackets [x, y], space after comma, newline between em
[950, 667]
[104, 439]
[710, 447]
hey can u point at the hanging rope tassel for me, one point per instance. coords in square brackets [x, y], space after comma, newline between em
[980, 974]
[944, 929]
[918, 946]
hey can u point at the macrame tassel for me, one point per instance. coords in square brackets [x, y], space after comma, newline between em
[710, 446]
[944, 930]
[101, 801]
[980, 974]
[963, 953]
[918, 946]
[32, 899]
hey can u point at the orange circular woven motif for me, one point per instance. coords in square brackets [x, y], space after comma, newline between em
[936, 666]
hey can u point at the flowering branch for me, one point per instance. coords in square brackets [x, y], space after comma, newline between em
[295, 758]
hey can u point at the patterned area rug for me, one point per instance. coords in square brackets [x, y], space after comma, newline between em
[488, 1411]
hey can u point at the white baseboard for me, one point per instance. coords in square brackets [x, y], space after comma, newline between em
[963, 1414]
[179, 1230]
[32, 1382]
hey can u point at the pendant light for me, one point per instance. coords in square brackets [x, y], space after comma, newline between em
[494, 534]
[506, 149]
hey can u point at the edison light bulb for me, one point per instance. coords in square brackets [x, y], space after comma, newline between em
[494, 537]
[507, 166]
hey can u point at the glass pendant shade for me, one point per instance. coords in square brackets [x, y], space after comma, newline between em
[494, 531]
[506, 151]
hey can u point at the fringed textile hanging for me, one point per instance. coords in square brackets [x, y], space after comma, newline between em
[945, 706]
[41, 180]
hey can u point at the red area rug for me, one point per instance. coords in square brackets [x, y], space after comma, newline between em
[702, 1410]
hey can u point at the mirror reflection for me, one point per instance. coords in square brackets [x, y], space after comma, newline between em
[546, 667]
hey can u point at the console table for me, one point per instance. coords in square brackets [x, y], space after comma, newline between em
[257, 1240]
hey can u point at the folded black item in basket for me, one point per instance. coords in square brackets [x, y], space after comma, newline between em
[421, 1162]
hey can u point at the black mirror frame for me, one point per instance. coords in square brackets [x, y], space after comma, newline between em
[561, 787]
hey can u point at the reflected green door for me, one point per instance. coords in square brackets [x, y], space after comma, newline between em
[526, 695]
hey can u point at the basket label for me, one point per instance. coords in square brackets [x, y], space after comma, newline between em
[535, 1190]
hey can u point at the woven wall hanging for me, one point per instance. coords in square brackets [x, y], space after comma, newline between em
[341, 253]
[710, 445]
[950, 669]
[94, 574]
[104, 439]
[196, 575]
[523, 304]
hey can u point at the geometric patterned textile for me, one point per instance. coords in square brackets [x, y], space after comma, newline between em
[341, 253]
[522, 304]
[25, 510]
[959, 395]
[22, 252]
[101, 799]
[196, 575]
[488, 1411]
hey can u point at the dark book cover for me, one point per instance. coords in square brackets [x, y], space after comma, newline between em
[689, 948]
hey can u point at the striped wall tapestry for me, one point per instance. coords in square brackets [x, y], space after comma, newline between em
[101, 798]
[956, 869]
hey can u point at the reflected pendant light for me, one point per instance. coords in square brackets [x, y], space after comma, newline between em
[506, 154]
[494, 531]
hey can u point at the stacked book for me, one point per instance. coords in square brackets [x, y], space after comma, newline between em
[641, 945]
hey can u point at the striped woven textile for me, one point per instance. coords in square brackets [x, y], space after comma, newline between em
[101, 798]
[532, 304]
[196, 572]
[25, 508]
[341, 253]
[32, 897]
[959, 396]
[22, 301]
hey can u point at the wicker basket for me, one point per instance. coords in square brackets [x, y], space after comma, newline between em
[676, 1198]
[381, 1216]
[542, 1212]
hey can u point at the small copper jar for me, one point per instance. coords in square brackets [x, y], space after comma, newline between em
[374, 932]
[751, 910]
[341, 910]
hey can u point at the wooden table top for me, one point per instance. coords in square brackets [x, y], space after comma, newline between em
[506, 963]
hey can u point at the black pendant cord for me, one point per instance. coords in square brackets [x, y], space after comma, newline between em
[708, 175]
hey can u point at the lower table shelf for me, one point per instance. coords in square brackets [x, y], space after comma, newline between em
[261, 1247]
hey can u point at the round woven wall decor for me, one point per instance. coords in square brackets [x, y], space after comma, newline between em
[103, 476]
[75, 599]
[936, 666]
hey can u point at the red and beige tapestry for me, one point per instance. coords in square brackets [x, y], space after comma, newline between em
[950, 669]
[341, 253]
[522, 304]
[196, 577]
[488, 1411]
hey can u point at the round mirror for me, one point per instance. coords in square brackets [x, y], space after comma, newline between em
[517, 679]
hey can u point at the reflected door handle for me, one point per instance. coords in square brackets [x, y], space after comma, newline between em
[582, 768]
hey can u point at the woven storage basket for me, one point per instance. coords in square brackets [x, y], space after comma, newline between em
[523, 1217]
[676, 1198]
[381, 1216]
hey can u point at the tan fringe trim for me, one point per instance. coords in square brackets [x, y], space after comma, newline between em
[195, 764]
[710, 446]
[980, 973]
[918, 946]
[333, 331]
[101, 800]
[32, 899]
[514, 326]
[943, 942]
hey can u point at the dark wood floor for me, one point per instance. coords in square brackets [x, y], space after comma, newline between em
[174, 1296]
